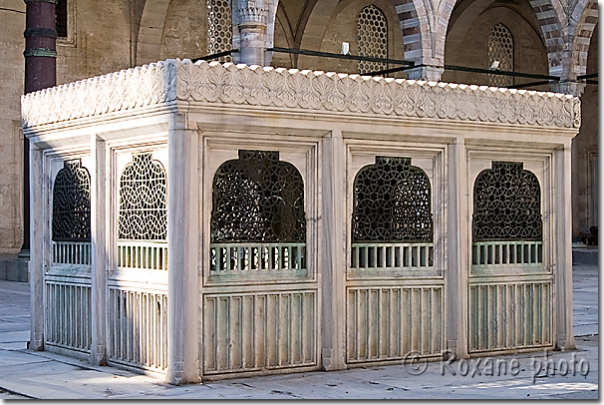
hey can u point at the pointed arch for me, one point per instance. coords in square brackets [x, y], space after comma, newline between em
[284, 26]
[585, 14]
[148, 47]
[314, 22]
[551, 17]
[416, 30]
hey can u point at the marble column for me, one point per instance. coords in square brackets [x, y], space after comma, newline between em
[251, 17]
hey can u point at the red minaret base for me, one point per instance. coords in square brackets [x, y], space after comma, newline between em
[40, 73]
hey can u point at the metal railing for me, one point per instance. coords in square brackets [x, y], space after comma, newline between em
[392, 255]
[71, 253]
[142, 255]
[239, 257]
[507, 253]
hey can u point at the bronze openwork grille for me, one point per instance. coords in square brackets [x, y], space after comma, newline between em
[142, 213]
[71, 203]
[258, 198]
[391, 203]
[507, 204]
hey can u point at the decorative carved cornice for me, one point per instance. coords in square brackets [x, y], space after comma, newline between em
[215, 83]
[125, 90]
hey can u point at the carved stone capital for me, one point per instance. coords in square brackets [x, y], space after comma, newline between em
[573, 88]
[252, 11]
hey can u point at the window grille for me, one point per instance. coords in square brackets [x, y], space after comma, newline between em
[71, 203]
[372, 34]
[391, 203]
[61, 18]
[142, 200]
[507, 224]
[392, 223]
[501, 48]
[220, 33]
[258, 220]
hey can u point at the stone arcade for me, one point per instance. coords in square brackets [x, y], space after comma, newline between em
[205, 220]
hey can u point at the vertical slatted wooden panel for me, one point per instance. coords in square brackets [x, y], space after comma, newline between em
[139, 335]
[507, 316]
[386, 323]
[142, 255]
[254, 331]
[68, 319]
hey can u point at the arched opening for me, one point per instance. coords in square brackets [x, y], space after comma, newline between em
[484, 32]
[258, 220]
[506, 223]
[392, 223]
[71, 214]
[142, 218]
[372, 34]
[501, 55]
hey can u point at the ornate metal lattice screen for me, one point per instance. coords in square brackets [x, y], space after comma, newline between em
[220, 33]
[501, 48]
[142, 200]
[506, 225]
[258, 198]
[372, 34]
[391, 203]
[507, 204]
[71, 203]
[258, 220]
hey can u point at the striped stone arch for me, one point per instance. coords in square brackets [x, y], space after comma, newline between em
[550, 17]
[585, 14]
[416, 30]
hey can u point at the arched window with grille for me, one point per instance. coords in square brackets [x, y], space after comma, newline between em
[372, 36]
[71, 214]
[220, 33]
[501, 50]
[392, 224]
[142, 219]
[258, 220]
[506, 224]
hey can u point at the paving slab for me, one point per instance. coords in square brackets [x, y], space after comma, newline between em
[13, 358]
[14, 336]
[29, 374]
[4, 395]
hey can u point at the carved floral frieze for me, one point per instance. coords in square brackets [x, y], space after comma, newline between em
[202, 82]
[143, 86]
